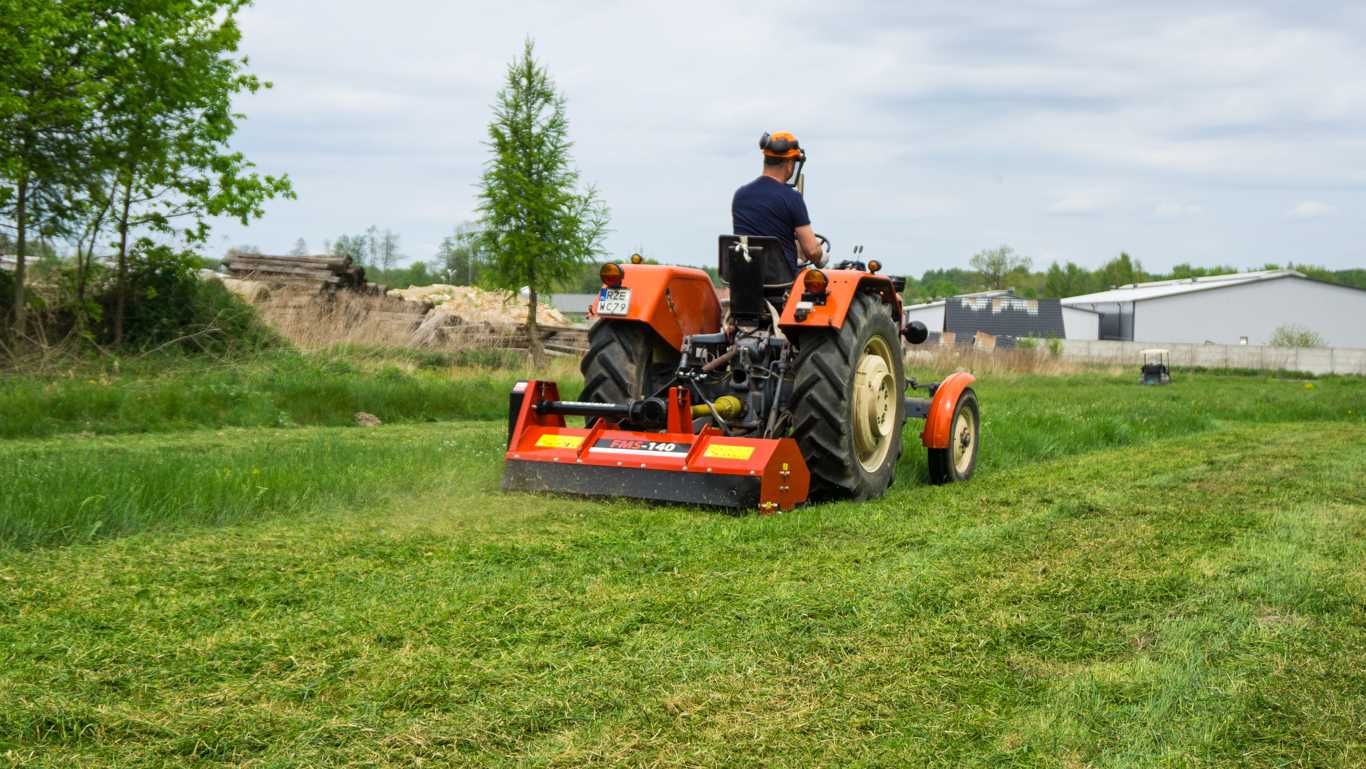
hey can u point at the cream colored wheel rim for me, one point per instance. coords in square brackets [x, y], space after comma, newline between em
[875, 395]
[964, 441]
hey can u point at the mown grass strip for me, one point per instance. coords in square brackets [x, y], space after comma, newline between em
[1204, 606]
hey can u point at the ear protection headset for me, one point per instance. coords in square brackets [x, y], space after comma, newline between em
[781, 145]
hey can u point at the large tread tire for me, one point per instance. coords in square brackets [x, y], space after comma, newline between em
[943, 468]
[823, 402]
[626, 360]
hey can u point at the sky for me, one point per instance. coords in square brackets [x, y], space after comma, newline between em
[1202, 132]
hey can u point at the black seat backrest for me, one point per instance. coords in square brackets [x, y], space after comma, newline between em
[746, 264]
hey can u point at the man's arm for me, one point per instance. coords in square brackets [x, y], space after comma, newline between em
[809, 246]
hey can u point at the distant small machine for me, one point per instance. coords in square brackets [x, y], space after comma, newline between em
[1157, 367]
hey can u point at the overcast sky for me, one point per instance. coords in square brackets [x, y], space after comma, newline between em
[1208, 132]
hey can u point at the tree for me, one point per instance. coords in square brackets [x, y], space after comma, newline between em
[353, 246]
[169, 121]
[536, 224]
[458, 257]
[47, 83]
[300, 248]
[1071, 280]
[996, 263]
[1121, 271]
[388, 255]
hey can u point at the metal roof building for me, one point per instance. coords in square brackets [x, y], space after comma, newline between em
[1240, 308]
[1001, 313]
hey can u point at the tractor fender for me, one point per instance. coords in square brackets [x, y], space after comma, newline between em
[674, 301]
[842, 287]
[939, 422]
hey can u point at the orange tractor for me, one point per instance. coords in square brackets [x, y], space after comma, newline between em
[793, 391]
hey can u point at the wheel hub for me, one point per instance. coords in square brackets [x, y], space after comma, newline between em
[965, 432]
[874, 405]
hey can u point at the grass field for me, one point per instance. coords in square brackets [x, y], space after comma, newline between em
[1136, 577]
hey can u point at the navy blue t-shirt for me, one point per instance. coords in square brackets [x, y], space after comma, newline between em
[766, 206]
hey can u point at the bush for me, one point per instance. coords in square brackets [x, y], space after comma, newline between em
[1289, 335]
[170, 305]
[1055, 347]
[1026, 343]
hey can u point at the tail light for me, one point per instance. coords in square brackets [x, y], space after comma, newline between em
[611, 274]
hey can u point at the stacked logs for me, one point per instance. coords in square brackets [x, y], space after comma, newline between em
[328, 272]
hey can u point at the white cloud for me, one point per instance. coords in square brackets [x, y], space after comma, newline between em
[934, 128]
[1312, 209]
[1077, 204]
[1171, 209]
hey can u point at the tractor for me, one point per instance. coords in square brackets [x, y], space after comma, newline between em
[791, 391]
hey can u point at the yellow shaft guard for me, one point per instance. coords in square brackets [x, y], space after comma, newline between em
[727, 406]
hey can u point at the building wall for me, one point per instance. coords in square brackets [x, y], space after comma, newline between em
[932, 317]
[1255, 310]
[1080, 324]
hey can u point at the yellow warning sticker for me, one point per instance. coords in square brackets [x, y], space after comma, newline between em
[552, 441]
[724, 451]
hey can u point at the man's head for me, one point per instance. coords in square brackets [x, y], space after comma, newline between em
[781, 154]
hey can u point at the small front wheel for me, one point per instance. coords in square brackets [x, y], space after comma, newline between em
[958, 461]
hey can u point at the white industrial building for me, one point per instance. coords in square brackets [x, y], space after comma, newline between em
[1242, 308]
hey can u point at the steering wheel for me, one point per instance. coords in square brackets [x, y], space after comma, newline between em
[802, 261]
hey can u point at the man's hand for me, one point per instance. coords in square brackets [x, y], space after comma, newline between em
[809, 247]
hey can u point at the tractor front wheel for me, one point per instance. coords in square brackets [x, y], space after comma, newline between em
[958, 461]
[848, 408]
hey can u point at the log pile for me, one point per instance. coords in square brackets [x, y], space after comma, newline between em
[327, 272]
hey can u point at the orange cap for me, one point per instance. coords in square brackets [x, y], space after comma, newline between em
[780, 144]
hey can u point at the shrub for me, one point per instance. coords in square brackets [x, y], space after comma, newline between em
[1055, 347]
[1289, 335]
[170, 305]
[1027, 343]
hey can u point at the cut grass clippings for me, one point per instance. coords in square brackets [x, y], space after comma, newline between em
[1197, 601]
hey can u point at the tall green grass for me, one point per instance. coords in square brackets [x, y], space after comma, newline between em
[276, 390]
[75, 489]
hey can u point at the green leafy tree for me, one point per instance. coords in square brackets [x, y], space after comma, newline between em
[1072, 280]
[458, 258]
[354, 246]
[168, 124]
[536, 225]
[996, 263]
[49, 79]
[1121, 271]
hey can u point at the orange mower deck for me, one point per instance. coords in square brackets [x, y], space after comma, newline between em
[673, 465]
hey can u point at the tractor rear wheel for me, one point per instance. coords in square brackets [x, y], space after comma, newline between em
[957, 462]
[848, 408]
[625, 361]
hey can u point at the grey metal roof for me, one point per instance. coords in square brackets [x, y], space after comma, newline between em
[1136, 292]
[1004, 316]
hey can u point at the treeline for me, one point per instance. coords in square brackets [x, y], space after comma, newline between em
[115, 124]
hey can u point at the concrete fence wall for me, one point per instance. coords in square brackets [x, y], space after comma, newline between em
[1315, 360]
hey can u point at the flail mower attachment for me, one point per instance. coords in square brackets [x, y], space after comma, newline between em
[668, 463]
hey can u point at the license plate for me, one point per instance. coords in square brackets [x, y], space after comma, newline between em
[614, 301]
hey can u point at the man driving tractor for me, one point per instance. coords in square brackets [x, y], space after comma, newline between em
[771, 206]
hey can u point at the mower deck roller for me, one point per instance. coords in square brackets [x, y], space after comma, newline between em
[673, 465]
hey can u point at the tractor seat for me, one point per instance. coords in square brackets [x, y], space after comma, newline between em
[757, 272]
